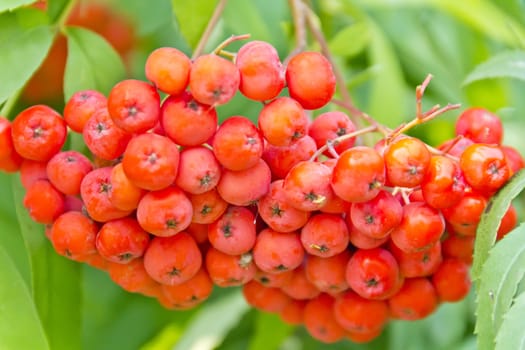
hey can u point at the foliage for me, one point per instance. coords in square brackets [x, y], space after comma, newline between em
[475, 51]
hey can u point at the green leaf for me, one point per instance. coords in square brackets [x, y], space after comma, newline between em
[503, 65]
[270, 332]
[22, 53]
[92, 63]
[56, 8]
[20, 327]
[351, 40]
[212, 323]
[10, 5]
[511, 335]
[192, 17]
[491, 218]
[55, 281]
[501, 274]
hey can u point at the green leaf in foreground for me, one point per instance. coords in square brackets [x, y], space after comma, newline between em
[20, 327]
[270, 332]
[92, 63]
[491, 218]
[511, 335]
[55, 281]
[192, 17]
[212, 323]
[504, 65]
[500, 277]
[22, 54]
[9, 5]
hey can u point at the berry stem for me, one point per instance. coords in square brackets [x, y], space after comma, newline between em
[228, 41]
[212, 23]
[355, 111]
[330, 143]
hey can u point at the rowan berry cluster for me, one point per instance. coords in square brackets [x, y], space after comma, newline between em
[314, 226]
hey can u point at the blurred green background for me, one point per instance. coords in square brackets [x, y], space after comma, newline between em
[384, 48]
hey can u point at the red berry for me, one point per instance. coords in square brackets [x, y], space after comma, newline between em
[186, 121]
[283, 121]
[480, 125]
[325, 235]
[81, 106]
[276, 252]
[38, 133]
[165, 212]
[262, 74]
[237, 144]
[213, 80]
[151, 161]
[310, 79]
[234, 232]
[406, 162]
[134, 105]
[168, 69]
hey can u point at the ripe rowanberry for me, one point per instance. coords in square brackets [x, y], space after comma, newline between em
[187, 294]
[358, 174]
[168, 69]
[73, 235]
[452, 280]
[282, 159]
[357, 314]
[67, 169]
[237, 144]
[265, 298]
[416, 299]
[227, 270]
[293, 312]
[134, 105]
[328, 274]
[464, 216]
[307, 186]
[94, 191]
[186, 121]
[484, 167]
[443, 184]
[123, 194]
[151, 161]
[245, 187]
[134, 278]
[213, 80]
[234, 232]
[44, 202]
[38, 133]
[420, 263]
[310, 79]
[207, 207]
[103, 137]
[480, 125]
[173, 260]
[276, 252]
[122, 240]
[420, 228]
[329, 126]
[276, 211]
[325, 235]
[298, 286]
[198, 170]
[262, 73]
[373, 273]
[81, 106]
[378, 216]
[319, 319]
[283, 121]
[165, 212]
[406, 162]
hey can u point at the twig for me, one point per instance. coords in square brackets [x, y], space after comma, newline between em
[298, 16]
[212, 23]
[330, 143]
[319, 37]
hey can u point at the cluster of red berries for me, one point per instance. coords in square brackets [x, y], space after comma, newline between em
[324, 231]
